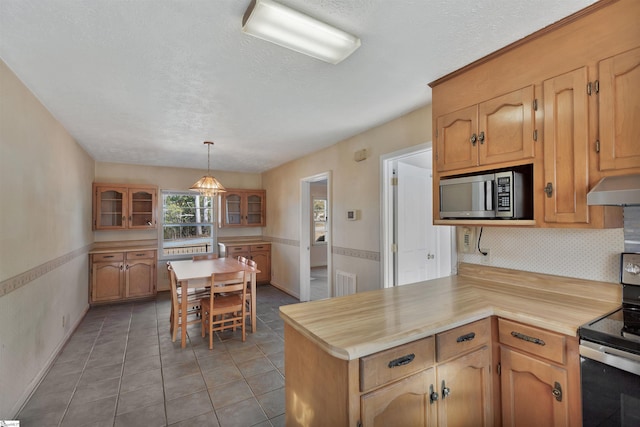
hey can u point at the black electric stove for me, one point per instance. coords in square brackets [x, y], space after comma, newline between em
[620, 329]
[610, 357]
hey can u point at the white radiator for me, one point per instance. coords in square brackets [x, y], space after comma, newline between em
[345, 283]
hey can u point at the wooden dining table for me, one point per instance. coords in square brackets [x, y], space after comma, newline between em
[197, 274]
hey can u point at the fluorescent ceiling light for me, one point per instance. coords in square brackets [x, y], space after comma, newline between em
[294, 30]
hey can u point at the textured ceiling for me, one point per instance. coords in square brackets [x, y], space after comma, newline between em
[146, 81]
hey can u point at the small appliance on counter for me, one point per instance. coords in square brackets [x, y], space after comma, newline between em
[610, 357]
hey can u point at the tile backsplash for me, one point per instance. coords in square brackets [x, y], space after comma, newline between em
[584, 254]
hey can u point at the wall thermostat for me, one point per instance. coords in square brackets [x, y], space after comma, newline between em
[353, 214]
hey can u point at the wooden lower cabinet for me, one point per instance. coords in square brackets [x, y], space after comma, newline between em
[120, 276]
[529, 389]
[540, 377]
[465, 390]
[443, 380]
[106, 281]
[403, 403]
[260, 253]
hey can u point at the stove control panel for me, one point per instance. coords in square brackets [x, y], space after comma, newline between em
[630, 268]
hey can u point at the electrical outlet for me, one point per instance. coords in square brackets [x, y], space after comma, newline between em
[485, 259]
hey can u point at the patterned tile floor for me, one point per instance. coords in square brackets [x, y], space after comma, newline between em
[120, 368]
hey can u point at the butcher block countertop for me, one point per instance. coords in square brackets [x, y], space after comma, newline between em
[358, 325]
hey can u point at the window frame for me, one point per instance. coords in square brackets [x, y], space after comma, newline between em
[211, 223]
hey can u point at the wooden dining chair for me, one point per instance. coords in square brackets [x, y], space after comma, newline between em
[242, 259]
[250, 263]
[193, 306]
[205, 257]
[225, 308]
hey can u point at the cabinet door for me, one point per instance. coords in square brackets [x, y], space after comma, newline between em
[255, 208]
[110, 208]
[142, 208]
[140, 278]
[263, 259]
[465, 390]
[106, 281]
[619, 98]
[505, 127]
[403, 403]
[232, 209]
[566, 144]
[528, 387]
[456, 139]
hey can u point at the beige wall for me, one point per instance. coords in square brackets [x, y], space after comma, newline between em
[45, 233]
[355, 185]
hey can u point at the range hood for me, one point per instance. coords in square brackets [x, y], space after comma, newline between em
[621, 190]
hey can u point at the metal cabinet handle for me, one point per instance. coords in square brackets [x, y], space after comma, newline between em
[467, 337]
[401, 361]
[557, 391]
[446, 391]
[481, 137]
[108, 256]
[549, 189]
[527, 338]
[433, 395]
[473, 139]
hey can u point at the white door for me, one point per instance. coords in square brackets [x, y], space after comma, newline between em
[415, 249]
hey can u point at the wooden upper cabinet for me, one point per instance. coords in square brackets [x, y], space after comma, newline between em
[495, 131]
[120, 207]
[566, 145]
[142, 208]
[619, 99]
[243, 208]
[110, 207]
[506, 127]
[456, 143]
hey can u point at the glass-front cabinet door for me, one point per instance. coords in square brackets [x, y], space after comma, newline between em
[142, 212]
[243, 208]
[233, 209]
[110, 208]
[255, 209]
[119, 206]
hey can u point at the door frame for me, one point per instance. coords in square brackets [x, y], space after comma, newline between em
[305, 234]
[387, 201]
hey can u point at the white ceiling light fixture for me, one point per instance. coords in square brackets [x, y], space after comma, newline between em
[294, 30]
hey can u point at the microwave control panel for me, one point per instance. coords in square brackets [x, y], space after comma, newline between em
[503, 193]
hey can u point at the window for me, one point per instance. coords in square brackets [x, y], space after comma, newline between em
[319, 228]
[188, 225]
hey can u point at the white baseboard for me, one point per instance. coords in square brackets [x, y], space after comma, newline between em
[285, 290]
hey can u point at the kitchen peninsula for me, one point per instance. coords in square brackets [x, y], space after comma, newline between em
[350, 359]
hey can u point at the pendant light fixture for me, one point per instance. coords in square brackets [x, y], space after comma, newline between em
[208, 185]
[279, 24]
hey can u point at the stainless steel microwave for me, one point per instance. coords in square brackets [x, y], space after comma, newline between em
[497, 195]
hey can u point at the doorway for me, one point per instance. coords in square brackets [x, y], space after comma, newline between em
[413, 249]
[315, 237]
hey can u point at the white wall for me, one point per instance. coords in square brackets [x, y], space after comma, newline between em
[45, 235]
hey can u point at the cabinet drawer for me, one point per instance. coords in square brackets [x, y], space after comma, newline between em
[462, 339]
[258, 248]
[111, 256]
[390, 365]
[540, 342]
[231, 250]
[140, 255]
